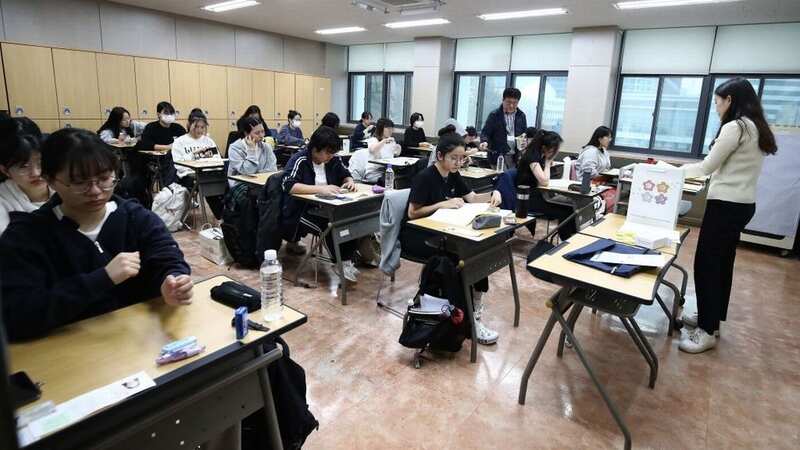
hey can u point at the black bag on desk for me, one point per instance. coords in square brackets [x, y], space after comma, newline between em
[234, 295]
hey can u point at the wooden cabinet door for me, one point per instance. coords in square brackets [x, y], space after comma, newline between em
[264, 92]
[3, 95]
[184, 87]
[214, 91]
[308, 128]
[30, 81]
[87, 124]
[240, 91]
[322, 98]
[304, 96]
[218, 130]
[76, 84]
[284, 94]
[48, 125]
[116, 79]
[152, 85]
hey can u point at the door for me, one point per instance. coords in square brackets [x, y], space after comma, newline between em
[214, 91]
[152, 85]
[184, 87]
[76, 84]
[304, 96]
[30, 81]
[116, 78]
[322, 98]
[264, 92]
[87, 124]
[240, 91]
[284, 94]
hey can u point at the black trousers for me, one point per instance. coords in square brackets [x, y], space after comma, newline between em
[310, 223]
[713, 261]
[412, 241]
[553, 211]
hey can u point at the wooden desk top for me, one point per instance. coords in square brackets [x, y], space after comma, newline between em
[477, 172]
[154, 152]
[429, 224]
[128, 144]
[205, 163]
[423, 149]
[363, 192]
[641, 286]
[611, 223]
[95, 352]
[398, 161]
[259, 179]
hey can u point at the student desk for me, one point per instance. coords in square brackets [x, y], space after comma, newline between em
[577, 199]
[348, 220]
[583, 286]
[156, 156]
[210, 179]
[423, 152]
[480, 253]
[121, 148]
[345, 155]
[258, 179]
[479, 179]
[402, 166]
[194, 400]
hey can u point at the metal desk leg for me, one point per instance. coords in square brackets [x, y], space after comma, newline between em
[470, 312]
[269, 406]
[312, 252]
[644, 347]
[512, 271]
[571, 320]
[675, 323]
[684, 281]
[340, 267]
[201, 198]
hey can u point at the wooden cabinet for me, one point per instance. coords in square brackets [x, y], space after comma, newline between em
[322, 98]
[240, 91]
[184, 87]
[264, 92]
[3, 96]
[152, 85]
[218, 131]
[304, 96]
[48, 125]
[116, 78]
[77, 89]
[214, 91]
[308, 128]
[284, 94]
[30, 81]
[87, 124]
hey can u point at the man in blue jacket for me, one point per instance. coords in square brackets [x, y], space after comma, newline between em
[502, 126]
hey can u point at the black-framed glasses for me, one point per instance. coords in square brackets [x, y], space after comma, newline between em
[105, 184]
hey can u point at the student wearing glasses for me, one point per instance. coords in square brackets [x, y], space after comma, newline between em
[86, 251]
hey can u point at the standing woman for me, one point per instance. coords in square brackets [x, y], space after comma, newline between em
[734, 163]
[414, 135]
[291, 134]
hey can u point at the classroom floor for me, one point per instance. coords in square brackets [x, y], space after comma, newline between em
[366, 394]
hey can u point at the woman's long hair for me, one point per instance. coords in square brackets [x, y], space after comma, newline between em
[745, 103]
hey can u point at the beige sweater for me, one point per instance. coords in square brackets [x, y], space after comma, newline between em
[734, 163]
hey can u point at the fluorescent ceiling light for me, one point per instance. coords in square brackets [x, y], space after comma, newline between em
[340, 30]
[523, 14]
[227, 6]
[417, 23]
[643, 4]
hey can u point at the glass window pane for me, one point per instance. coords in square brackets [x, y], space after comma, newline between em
[375, 95]
[781, 102]
[397, 93]
[358, 96]
[712, 125]
[636, 107]
[555, 98]
[677, 113]
[493, 88]
[529, 86]
[467, 100]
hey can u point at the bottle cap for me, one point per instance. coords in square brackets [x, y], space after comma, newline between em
[270, 255]
[388, 166]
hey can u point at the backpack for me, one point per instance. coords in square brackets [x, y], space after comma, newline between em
[170, 205]
[270, 202]
[240, 225]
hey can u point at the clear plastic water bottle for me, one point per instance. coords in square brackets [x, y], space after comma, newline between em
[388, 180]
[271, 295]
[501, 164]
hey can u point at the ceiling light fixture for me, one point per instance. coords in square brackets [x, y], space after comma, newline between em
[417, 23]
[644, 4]
[340, 30]
[433, 6]
[367, 6]
[524, 14]
[227, 6]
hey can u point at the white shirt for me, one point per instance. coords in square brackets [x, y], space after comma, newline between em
[320, 179]
[12, 199]
[373, 172]
[184, 147]
[93, 233]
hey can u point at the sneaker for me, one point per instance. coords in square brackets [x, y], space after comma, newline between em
[295, 248]
[485, 335]
[350, 272]
[690, 320]
[697, 341]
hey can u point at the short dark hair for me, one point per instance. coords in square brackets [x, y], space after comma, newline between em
[248, 123]
[512, 92]
[326, 140]
[19, 137]
[165, 107]
[80, 152]
[252, 109]
[381, 125]
[545, 139]
[530, 132]
[471, 131]
[415, 117]
[447, 130]
[366, 115]
[293, 114]
[330, 120]
[448, 143]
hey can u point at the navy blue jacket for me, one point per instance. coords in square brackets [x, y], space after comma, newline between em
[357, 137]
[300, 169]
[494, 130]
[53, 275]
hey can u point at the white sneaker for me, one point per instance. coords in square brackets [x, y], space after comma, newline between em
[691, 320]
[697, 341]
[350, 272]
[485, 335]
[295, 248]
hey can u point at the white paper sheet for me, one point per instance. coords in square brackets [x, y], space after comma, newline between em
[651, 233]
[462, 216]
[560, 183]
[624, 258]
[429, 303]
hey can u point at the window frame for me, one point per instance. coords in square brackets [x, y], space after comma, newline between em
[409, 77]
[543, 76]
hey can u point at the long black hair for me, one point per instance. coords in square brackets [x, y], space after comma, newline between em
[544, 140]
[114, 120]
[599, 133]
[745, 103]
[19, 138]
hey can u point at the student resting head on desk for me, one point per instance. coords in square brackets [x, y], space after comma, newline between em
[381, 146]
[119, 128]
[534, 170]
[85, 252]
[441, 186]
[250, 155]
[22, 187]
[315, 170]
[291, 133]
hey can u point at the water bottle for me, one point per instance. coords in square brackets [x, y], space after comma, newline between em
[271, 278]
[586, 181]
[523, 200]
[388, 180]
[501, 164]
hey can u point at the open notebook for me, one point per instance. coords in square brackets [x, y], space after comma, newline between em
[463, 216]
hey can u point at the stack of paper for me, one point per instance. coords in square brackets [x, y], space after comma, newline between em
[464, 216]
[643, 234]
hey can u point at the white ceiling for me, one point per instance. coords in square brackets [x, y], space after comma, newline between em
[300, 18]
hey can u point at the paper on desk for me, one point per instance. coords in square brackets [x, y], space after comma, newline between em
[560, 184]
[460, 217]
[650, 233]
[630, 259]
[399, 161]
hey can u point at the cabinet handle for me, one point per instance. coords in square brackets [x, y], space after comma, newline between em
[67, 111]
[19, 110]
[108, 111]
[205, 111]
[177, 112]
[144, 111]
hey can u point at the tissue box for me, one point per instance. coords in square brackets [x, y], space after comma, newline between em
[652, 242]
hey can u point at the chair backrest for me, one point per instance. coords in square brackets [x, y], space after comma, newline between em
[393, 211]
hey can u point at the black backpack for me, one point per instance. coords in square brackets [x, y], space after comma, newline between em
[240, 225]
[270, 200]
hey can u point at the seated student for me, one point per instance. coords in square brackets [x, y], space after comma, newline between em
[414, 135]
[315, 170]
[291, 134]
[251, 155]
[441, 186]
[193, 146]
[534, 170]
[119, 128]
[252, 111]
[22, 187]
[85, 252]
[361, 131]
[159, 135]
[594, 159]
[472, 140]
[330, 120]
[384, 148]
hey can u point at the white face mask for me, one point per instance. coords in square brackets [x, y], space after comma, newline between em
[419, 124]
[168, 118]
[296, 123]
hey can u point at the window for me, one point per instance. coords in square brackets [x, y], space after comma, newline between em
[677, 113]
[529, 86]
[712, 124]
[466, 108]
[637, 105]
[781, 101]
[555, 99]
[382, 94]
